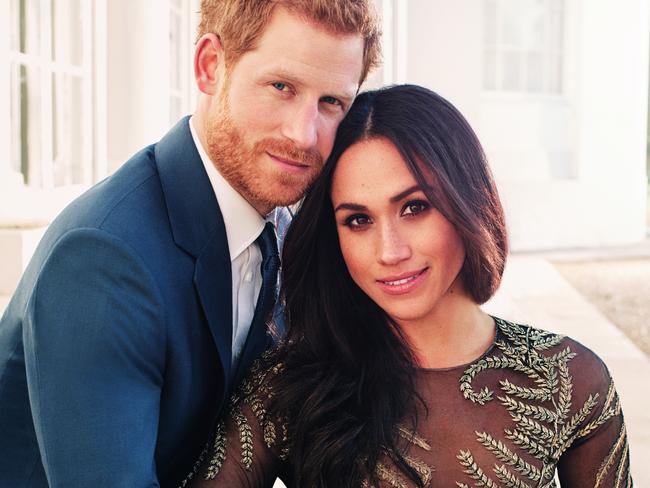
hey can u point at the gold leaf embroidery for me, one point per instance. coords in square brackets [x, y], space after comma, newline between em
[608, 462]
[245, 438]
[509, 479]
[390, 476]
[219, 450]
[423, 469]
[414, 438]
[543, 425]
[471, 468]
[501, 451]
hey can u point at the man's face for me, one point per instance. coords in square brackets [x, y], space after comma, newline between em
[279, 108]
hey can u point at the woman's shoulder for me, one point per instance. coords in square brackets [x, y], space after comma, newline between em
[565, 362]
[551, 370]
[525, 341]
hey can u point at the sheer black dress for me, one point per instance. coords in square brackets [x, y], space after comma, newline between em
[535, 408]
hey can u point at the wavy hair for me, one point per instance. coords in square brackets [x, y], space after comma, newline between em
[348, 383]
[240, 23]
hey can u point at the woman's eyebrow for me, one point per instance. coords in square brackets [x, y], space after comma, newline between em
[403, 194]
[351, 206]
[394, 199]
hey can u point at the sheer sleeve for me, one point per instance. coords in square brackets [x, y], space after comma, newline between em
[599, 455]
[249, 445]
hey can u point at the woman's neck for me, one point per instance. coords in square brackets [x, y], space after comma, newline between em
[456, 333]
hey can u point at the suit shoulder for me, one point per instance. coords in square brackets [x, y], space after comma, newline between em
[92, 208]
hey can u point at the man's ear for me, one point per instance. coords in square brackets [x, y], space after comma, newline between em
[207, 57]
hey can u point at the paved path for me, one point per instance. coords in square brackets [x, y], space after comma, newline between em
[533, 292]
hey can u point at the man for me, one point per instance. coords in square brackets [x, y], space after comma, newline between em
[138, 311]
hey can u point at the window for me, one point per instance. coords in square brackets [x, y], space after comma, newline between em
[523, 46]
[50, 85]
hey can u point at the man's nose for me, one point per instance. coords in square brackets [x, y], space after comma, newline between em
[301, 126]
[394, 246]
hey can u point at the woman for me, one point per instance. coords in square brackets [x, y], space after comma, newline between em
[391, 375]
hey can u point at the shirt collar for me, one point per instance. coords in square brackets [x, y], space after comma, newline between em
[243, 223]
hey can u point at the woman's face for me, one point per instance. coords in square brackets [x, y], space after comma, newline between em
[399, 249]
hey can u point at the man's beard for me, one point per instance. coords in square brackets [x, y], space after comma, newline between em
[240, 164]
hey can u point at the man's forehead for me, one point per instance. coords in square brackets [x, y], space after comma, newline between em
[296, 55]
[300, 38]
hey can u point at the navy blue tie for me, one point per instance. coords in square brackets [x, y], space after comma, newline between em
[258, 339]
[270, 264]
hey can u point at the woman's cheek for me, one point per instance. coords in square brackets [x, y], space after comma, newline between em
[355, 257]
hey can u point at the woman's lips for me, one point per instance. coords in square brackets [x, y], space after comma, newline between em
[403, 283]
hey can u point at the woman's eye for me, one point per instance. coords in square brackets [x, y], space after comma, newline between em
[357, 221]
[415, 207]
[280, 86]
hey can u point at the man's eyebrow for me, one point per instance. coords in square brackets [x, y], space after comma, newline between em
[285, 75]
[346, 96]
[394, 199]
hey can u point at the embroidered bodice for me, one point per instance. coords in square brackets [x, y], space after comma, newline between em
[534, 405]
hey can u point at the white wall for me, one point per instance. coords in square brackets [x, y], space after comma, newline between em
[444, 50]
[599, 129]
[138, 76]
[570, 167]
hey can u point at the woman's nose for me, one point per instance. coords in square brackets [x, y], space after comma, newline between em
[394, 246]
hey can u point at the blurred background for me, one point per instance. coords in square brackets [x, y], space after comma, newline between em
[557, 91]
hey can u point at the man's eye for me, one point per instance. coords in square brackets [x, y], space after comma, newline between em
[280, 86]
[331, 101]
[415, 207]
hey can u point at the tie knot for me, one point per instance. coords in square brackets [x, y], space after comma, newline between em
[268, 243]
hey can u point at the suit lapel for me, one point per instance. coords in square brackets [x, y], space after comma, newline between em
[198, 228]
[213, 282]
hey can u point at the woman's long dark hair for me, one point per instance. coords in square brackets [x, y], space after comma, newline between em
[348, 381]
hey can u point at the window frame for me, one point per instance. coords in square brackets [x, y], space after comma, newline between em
[47, 68]
[554, 54]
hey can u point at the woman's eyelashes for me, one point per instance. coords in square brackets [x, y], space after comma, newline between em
[410, 209]
[356, 221]
[415, 207]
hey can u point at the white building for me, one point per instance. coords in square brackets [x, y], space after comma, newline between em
[556, 90]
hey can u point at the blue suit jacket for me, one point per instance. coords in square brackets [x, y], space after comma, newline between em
[115, 350]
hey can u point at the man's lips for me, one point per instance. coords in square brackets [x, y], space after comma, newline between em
[403, 282]
[296, 166]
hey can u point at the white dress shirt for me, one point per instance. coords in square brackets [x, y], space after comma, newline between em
[243, 226]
